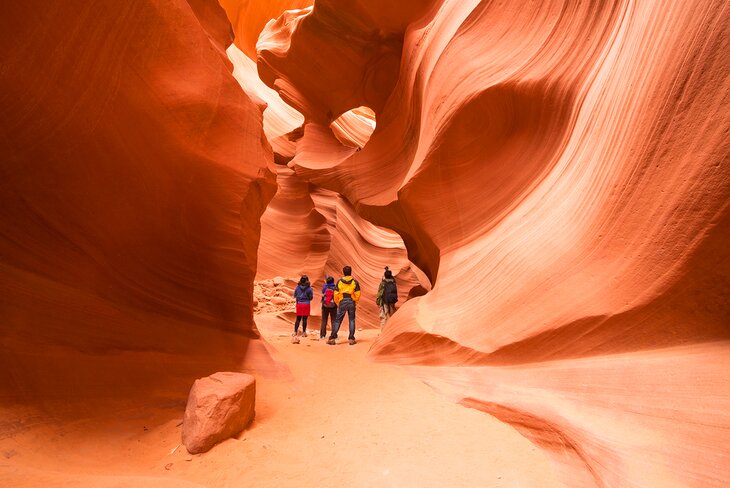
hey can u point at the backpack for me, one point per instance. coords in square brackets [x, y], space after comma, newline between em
[390, 292]
[328, 300]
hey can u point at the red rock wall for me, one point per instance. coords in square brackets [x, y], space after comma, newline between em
[307, 230]
[559, 170]
[133, 175]
[316, 232]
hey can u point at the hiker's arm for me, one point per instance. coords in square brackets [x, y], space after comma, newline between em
[338, 293]
[356, 294]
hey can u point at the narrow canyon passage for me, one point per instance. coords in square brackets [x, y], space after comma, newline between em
[547, 180]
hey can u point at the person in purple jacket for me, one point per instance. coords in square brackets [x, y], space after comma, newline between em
[303, 294]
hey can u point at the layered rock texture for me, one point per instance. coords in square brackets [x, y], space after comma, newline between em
[134, 173]
[306, 230]
[560, 172]
[310, 230]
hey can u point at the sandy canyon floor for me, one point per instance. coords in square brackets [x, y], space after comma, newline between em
[334, 419]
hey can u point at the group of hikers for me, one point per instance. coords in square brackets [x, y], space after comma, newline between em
[339, 299]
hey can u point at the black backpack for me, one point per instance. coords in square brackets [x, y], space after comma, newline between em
[390, 292]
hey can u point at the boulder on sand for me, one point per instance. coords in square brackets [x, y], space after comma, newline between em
[219, 407]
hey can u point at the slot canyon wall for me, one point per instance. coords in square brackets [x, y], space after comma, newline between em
[134, 173]
[313, 231]
[559, 170]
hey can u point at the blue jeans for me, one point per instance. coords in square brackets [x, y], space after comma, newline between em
[346, 305]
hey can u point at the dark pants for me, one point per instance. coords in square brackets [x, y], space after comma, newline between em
[346, 305]
[303, 319]
[327, 314]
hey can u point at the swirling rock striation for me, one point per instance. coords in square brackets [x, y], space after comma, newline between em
[559, 171]
[295, 238]
[315, 232]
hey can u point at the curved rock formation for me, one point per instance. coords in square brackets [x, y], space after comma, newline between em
[295, 238]
[248, 18]
[282, 124]
[130, 200]
[559, 170]
[368, 249]
[354, 127]
[316, 232]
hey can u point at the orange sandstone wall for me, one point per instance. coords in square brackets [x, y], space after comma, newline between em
[367, 248]
[133, 175]
[307, 230]
[295, 238]
[559, 169]
[316, 232]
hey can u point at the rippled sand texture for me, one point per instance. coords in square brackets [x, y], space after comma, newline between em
[559, 169]
[133, 176]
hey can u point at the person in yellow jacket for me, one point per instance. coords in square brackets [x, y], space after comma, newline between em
[347, 294]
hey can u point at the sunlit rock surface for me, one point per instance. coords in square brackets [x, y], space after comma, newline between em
[559, 170]
[282, 124]
[133, 175]
[248, 17]
[354, 127]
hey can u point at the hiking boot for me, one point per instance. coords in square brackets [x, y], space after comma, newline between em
[331, 342]
[352, 342]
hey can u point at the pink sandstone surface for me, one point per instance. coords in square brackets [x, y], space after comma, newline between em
[558, 170]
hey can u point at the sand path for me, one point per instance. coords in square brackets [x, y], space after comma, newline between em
[336, 419]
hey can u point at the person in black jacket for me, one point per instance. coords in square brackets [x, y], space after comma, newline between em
[387, 296]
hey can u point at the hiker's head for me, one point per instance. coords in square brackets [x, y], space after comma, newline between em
[304, 280]
[388, 274]
[347, 271]
[330, 280]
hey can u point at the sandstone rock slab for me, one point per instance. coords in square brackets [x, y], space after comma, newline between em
[219, 407]
[279, 300]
